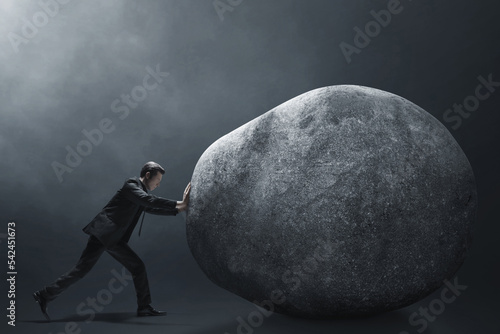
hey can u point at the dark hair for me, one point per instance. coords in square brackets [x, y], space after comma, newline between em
[153, 168]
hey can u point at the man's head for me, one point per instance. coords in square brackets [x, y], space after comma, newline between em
[151, 174]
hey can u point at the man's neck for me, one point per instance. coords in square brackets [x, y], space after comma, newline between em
[144, 183]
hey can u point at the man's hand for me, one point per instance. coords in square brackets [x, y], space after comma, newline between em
[182, 206]
[185, 198]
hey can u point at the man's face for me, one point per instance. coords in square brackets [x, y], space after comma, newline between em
[153, 182]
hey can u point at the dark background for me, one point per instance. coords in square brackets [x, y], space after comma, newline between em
[222, 74]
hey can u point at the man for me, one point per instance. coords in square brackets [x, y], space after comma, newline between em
[110, 231]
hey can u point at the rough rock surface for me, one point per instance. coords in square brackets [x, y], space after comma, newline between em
[343, 201]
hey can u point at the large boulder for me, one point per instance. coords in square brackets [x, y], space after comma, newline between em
[343, 201]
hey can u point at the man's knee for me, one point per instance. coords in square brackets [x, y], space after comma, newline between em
[131, 261]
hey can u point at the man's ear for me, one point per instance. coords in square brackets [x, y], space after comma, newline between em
[148, 174]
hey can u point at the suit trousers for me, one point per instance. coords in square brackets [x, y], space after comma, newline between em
[92, 252]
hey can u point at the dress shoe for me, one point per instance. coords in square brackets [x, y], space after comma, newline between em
[149, 311]
[42, 302]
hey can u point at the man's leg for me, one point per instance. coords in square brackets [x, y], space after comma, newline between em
[88, 259]
[131, 261]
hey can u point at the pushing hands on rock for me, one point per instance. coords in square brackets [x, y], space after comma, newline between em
[182, 206]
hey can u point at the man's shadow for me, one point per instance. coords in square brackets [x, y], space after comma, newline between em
[112, 317]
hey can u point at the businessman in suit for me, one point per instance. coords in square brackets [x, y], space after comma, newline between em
[110, 232]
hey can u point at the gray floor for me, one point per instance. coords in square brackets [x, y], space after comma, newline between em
[205, 308]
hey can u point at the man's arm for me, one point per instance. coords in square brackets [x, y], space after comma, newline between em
[173, 208]
[133, 192]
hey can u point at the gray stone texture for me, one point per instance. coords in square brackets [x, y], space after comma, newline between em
[344, 201]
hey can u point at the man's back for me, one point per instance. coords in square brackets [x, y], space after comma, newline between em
[118, 218]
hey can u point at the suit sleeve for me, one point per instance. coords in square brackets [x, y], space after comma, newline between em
[162, 211]
[133, 192]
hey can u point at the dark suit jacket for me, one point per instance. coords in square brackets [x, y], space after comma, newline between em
[118, 218]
